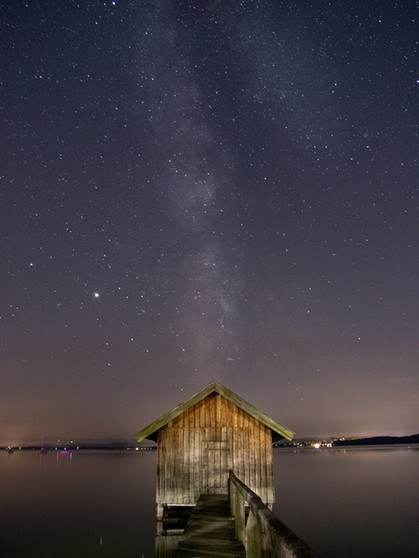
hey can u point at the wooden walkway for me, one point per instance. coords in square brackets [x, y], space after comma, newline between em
[210, 530]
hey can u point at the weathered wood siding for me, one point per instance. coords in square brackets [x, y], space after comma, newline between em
[197, 449]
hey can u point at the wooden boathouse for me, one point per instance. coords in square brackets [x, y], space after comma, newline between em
[214, 443]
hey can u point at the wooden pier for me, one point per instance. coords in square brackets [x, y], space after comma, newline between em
[237, 524]
[211, 530]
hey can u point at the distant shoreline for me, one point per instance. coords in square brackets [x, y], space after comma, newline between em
[378, 441]
[81, 447]
[345, 442]
[128, 446]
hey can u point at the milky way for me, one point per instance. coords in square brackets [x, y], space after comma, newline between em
[198, 191]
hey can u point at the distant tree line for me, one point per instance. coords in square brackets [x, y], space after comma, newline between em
[379, 441]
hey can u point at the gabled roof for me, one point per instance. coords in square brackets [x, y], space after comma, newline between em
[151, 430]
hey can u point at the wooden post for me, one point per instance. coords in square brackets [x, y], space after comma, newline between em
[240, 517]
[237, 510]
[160, 512]
[253, 537]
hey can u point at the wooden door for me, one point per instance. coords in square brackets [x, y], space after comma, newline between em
[216, 456]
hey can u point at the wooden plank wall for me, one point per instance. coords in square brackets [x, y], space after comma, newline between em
[197, 449]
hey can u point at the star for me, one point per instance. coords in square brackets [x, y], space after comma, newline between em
[218, 172]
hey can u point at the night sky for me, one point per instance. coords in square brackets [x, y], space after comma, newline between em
[209, 190]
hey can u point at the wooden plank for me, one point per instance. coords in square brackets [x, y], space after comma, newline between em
[175, 457]
[235, 417]
[270, 497]
[212, 413]
[257, 462]
[218, 409]
[210, 530]
[197, 488]
[161, 477]
[247, 453]
[187, 466]
[231, 411]
[204, 459]
[262, 467]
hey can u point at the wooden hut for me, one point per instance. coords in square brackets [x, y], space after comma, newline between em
[200, 440]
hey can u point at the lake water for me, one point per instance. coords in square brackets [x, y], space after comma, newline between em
[357, 502]
[350, 503]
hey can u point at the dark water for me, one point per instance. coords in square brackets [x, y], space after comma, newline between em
[344, 503]
[349, 503]
[78, 505]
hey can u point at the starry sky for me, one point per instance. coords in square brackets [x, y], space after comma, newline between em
[209, 190]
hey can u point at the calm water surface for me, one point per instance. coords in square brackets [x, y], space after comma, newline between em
[344, 503]
[79, 505]
[350, 503]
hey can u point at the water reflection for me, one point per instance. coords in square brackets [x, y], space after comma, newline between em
[350, 502]
[343, 502]
[77, 504]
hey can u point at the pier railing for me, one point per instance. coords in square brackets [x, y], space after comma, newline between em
[262, 533]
